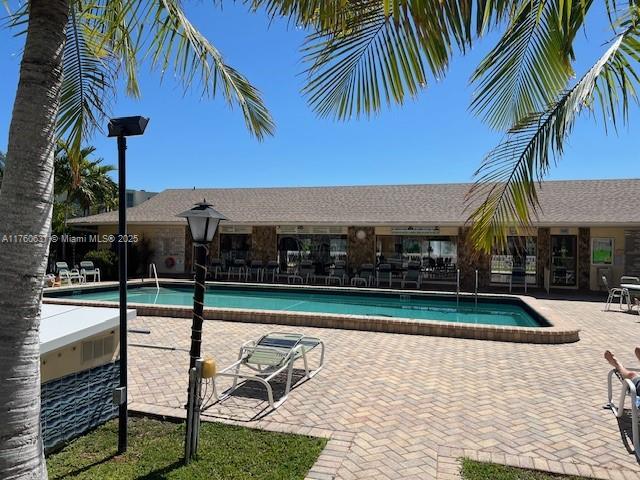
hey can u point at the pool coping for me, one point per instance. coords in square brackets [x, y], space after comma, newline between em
[560, 330]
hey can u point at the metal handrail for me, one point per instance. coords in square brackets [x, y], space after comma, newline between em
[152, 269]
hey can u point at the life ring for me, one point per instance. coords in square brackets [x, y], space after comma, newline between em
[169, 262]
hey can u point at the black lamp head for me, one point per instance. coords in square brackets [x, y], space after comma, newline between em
[127, 126]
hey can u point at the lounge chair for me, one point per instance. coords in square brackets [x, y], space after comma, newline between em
[88, 269]
[215, 268]
[238, 269]
[384, 274]
[412, 276]
[68, 274]
[615, 293]
[266, 358]
[628, 390]
[365, 276]
[271, 271]
[307, 271]
[338, 274]
[255, 270]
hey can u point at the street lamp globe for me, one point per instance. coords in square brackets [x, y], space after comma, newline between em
[203, 221]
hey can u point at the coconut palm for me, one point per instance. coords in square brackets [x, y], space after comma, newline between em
[87, 190]
[1, 166]
[93, 42]
[365, 54]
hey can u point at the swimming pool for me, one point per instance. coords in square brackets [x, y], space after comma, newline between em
[415, 307]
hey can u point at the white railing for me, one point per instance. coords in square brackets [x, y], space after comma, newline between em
[152, 270]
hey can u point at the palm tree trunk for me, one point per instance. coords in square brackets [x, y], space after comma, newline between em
[26, 202]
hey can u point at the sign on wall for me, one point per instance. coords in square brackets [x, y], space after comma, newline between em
[602, 251]
[416, 231]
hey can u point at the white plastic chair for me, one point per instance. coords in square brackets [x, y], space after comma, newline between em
[615, 293]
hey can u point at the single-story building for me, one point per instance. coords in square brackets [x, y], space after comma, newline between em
[585, 229]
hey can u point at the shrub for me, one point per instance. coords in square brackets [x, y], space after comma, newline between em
[105, 260]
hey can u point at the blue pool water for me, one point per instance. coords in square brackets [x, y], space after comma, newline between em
[387, 305]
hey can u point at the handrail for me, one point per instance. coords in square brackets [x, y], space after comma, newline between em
[476, 287]
[457, 288]
[152, 269]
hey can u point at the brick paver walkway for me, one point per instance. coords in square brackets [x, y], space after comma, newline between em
[401, 406]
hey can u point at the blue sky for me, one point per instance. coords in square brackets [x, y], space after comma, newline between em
[434, 139]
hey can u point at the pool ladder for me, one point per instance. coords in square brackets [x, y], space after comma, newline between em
[152, 270]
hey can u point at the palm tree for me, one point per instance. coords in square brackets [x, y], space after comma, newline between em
[93, 42]
[365, 54]
[89, 188]
[1, 166]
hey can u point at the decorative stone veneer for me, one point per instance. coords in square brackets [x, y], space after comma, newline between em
[360, 251]
[543, 253]
[470, 259]
[214, 246]
[584, 257]
[214, 249]
[188, 250]
[264, 243]
[76, 403]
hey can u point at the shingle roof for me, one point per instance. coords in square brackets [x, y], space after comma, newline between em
[574, 202]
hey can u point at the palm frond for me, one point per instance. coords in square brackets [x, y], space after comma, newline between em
[173, 42]
[334, 15]
[372, 53]
[374, 62]
[505, 192]
[531, 64]
[87, 88]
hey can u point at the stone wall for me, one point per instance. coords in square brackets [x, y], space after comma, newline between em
[470, 259]
[264, 243]
[188, 250]
[360, 251]
[543, 253]
[214, 249]
[214, 246]
[584, 257]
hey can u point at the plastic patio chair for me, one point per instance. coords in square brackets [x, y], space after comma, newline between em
[88, 269]
[615, 293]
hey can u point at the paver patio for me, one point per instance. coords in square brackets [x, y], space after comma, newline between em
[401, 406]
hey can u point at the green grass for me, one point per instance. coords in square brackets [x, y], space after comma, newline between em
[472, 470]
[156, 452]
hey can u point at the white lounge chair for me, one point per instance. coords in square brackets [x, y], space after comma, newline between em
[68, 274]
[88, 269]
[628, 390]
[266, 358]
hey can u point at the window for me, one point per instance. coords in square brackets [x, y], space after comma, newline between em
[518, 257]
[437, 256]
[322, 250]
[235, 246]
[602, 251]
[564, 260]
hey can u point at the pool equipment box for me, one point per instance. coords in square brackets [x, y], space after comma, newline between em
[79, 369]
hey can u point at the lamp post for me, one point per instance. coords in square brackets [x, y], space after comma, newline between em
[121, 128]
[203, 223]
